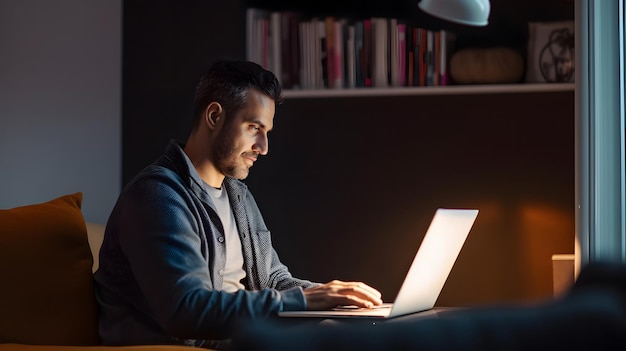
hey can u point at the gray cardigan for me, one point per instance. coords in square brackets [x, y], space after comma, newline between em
[163, 255]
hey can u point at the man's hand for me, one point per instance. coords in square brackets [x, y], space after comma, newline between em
[338, 292]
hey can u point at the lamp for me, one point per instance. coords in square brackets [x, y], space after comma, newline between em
[468, 12]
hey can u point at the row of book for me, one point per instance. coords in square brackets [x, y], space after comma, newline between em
[332, 52]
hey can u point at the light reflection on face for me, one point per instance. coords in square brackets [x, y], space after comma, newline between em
[244, 136]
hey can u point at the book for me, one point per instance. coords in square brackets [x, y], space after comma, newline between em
[263, 32]
[351, 57]
[443, 58]
[275, 41]
[358, 50]
[366, 54]
[306, 53]
[321, 58]
[290, 42]
[409, 56]
[339, 55]
[380, 52]
[331, 56]
[394, 68]
[430, 38]
[422, 59]
[255, 35]
[436, 57]
[402, 54]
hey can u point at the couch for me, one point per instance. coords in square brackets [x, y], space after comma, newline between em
[47, 300]
[47, 303]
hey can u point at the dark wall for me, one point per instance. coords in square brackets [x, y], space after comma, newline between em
[167, 45]
[351, 184]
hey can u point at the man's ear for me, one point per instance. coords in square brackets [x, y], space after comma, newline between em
[213, 114]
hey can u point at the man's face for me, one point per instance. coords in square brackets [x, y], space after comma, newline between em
[243, 137]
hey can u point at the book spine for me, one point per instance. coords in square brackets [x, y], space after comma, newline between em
[330, 52]
[322, 49]
[275, 39]
[338, 55]
[394, 69]
[402, 54]
[264, 32]
[429, 58]
[380, 52]
[443, 58]
[302, 52]
[436, 58]
[367, 53]
[351, 57]
[422, 56]
[287, 44]
[358, 52]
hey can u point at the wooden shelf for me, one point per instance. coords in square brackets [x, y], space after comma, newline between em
[434, 90]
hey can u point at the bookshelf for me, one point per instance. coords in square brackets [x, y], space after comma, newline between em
[360, 56]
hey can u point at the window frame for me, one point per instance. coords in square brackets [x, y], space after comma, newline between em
[600, 128]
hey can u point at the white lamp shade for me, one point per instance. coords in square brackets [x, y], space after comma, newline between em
[468, 12]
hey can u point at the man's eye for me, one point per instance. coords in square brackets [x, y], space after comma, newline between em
[254, 128]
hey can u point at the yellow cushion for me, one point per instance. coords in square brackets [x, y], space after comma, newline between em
[47, 294]
[16, 347]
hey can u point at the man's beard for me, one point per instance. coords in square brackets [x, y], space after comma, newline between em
[226, 158]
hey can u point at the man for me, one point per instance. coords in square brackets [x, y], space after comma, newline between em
[186, 254]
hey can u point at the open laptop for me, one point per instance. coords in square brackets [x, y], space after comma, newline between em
[427, 275]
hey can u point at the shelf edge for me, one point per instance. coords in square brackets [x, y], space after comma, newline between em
[434, 90]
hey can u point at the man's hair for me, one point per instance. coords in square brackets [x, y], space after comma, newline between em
[227, 83]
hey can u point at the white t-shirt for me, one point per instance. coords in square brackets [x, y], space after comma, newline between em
[233, 271]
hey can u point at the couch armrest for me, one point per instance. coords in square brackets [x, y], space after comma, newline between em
[95, 235]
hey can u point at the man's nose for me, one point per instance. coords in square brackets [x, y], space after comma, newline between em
[262, 144]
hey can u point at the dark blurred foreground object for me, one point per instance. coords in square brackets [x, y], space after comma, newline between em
[591, 315]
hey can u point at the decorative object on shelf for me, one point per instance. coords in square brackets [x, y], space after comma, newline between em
[550, 52]
[468, 12]
[487, 66]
